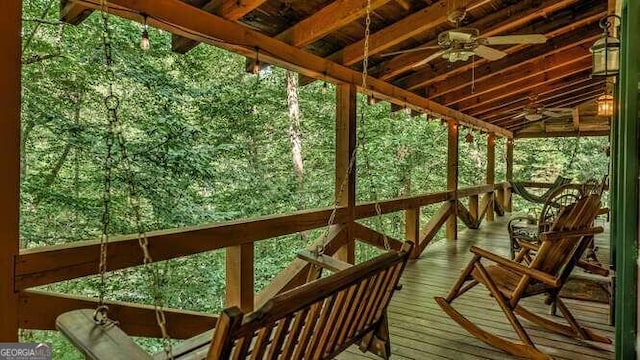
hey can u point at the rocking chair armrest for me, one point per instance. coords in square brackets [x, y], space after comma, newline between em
[528, 245]
[556, 235]
[515, 266]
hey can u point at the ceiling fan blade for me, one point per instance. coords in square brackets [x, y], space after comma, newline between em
[489, 53]
[429, 58]
[421, 48]
[560, 110]
[515, 39]
[552, 114]
[520, 116]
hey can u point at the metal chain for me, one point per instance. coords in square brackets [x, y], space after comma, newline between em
[112, 103]
[362, 135]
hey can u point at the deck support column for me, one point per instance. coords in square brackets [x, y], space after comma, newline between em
[625, 203]
[240, 287]
[412, 229]
[508, 201]
[10, 54]
[491, 173]
[345, 184]
[452, 177]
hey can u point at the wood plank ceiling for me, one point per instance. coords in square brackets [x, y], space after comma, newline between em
[556, 73]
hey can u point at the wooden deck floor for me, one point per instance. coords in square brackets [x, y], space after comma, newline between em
[420, 330]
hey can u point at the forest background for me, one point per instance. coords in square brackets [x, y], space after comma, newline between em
[210, 142]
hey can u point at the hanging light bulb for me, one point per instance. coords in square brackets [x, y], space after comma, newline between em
[145, 44]
[324, 88]
[371, 100]
[256, 64]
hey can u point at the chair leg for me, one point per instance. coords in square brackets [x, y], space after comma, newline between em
[455, 290]
[504, 305]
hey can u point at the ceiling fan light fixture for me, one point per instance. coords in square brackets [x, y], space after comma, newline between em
[533, 117]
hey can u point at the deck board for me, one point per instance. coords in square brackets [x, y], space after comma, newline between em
[420, 329]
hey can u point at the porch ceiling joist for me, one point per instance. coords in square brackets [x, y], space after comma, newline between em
[441, 71]
[502, 87]
[498, 23]
[180, 18]
[514, 63]
[330, 18]
[543, 92]
[417, 23]
[541, 69]
[228, 9]
[558, 100]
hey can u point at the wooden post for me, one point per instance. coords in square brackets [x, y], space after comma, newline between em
[345, 185]
[625, 204]
[239, 287]
[412, 229]
[508, 202]
[10, 54]
[452, 177]
[473, 206]
[491, 172]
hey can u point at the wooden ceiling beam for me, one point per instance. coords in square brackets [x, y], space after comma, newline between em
[73, 13]
[505, 80]
[417, 23]
[183, 19]
[228, 9]
[496, 23]
[513, 63]
[535, 135]
[502, 87]
[327, 20]
[545, 91]
[441, 71]
[568, 102]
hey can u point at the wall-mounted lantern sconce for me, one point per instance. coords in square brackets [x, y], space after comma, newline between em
[606, 50]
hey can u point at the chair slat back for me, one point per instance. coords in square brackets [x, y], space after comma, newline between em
[577, 216]
[317, 320]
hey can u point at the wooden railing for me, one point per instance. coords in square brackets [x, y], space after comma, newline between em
[46, 265]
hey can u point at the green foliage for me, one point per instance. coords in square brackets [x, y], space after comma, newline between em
[209, 142]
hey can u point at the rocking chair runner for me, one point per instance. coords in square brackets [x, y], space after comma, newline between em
[510, 281]
[316, 321]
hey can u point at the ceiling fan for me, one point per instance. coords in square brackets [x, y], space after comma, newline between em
[535, 112]
[460, 44]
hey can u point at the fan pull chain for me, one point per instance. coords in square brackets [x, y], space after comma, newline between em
[473, 74]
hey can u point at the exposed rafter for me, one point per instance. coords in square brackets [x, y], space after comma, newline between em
[515, 62]
[498, 23]
[328, 19]
[419, 22]
[441, 71]
[180, 18]
[525, 78]
[228, 9]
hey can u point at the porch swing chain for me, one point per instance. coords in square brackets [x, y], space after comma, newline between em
[361, 140]
[114, 133]
[362, 135]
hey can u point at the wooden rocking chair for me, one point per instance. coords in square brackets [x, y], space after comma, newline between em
[317, 320]
[509, 281]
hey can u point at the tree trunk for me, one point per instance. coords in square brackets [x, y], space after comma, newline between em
[295, 136]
